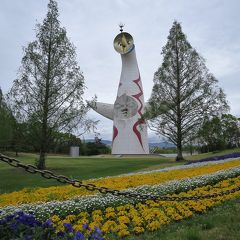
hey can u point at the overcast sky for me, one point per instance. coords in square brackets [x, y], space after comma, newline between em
[212, 27]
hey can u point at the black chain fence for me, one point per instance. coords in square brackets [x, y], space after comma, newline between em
[92, 187]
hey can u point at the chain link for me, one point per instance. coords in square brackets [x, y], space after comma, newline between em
[92, 187]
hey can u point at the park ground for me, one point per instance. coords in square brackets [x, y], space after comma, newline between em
[221, 222]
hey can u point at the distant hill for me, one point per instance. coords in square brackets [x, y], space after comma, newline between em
[107, 142]
[151, 144]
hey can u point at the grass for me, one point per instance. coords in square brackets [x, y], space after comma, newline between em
[220, 223]
[13, 179]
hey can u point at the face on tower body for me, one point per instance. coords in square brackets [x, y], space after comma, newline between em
[123, 43]
[125, 107]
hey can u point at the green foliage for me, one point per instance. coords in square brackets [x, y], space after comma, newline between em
[219, 133]
[6, 124]
[48, 93]
[61, 142]
[184, 92]
[157, 150]
[94, 148]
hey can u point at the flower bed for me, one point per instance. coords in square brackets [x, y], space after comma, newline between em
[63, 193]
[216, 158]
[149, 216]
[89, 203]
[118, 221]
[24, 226]
[85, 216]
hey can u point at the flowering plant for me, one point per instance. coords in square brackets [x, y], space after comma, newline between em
[25, 226]
[216, 158]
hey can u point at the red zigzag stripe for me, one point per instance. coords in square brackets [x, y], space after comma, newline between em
[115, 133]
[139, 121]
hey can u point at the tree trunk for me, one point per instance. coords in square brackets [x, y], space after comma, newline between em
[44, 134]
[16, 152]
[179, 112]
[191, 150]
[179, 150]
[43, 146]
[41, 161]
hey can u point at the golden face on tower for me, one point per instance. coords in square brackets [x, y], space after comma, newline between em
[123, 43]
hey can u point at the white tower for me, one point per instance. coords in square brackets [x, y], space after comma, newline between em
[129, 129]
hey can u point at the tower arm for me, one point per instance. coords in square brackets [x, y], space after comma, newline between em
[105, 109]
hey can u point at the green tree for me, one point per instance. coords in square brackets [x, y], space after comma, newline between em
[231, 130]
[218, 133]
[185, 87]
[211, 135]
[6, 123]
[48, 92]
[95, 148]
[63, 141]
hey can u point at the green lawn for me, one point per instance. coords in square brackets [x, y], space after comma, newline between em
[12, 179]
[221, 223]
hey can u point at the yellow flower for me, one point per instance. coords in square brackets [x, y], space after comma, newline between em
[127, 219]
[109, 226]
[97, 212]
[83, 221]
[123, 219]
[123, 233]
[97, 218]
[55, 219]
[70, 218]
[138, 230]
[78, 227]
[122, 213]
[137, 221]
[154, 225]
[109, 209]
[110, 215]
[83, 215]
[92, 225]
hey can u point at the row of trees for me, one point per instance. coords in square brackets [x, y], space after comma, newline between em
[21, 136]
[219, 133]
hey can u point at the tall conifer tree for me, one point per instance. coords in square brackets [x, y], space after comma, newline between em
[185, 86]
[48, 92]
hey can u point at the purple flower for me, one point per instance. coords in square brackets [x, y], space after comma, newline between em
[27, 227]
[68, 227]
[60, 234]
[96, 235]
[79, 236]
[28, 238]
[85, 226]
[13, 226]
[216, 158]
[97, 230]
[9, 218]
[47, 224]
[19, 213]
